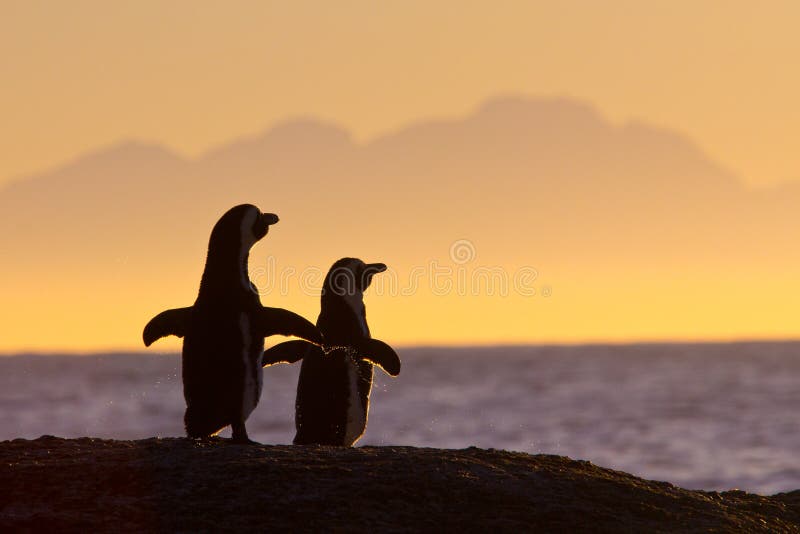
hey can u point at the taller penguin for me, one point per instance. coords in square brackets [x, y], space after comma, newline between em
[334, 386]
[225, 329]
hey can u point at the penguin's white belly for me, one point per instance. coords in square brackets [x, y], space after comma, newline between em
[356, 414]
[253, 372]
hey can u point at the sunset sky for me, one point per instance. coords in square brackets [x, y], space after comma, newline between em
[192, 76]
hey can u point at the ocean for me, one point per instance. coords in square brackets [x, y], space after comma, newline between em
[702, 416]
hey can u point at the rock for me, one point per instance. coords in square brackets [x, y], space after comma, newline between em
[179, 484]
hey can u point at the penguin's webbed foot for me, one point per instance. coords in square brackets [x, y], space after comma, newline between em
[240, 435]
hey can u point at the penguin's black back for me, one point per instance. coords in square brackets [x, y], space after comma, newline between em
[322, 409]
[213, 366]
[227, 306]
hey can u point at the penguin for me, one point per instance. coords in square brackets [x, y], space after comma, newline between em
[223, 332]
[333, 390]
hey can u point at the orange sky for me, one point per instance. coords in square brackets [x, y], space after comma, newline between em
[191, 74]
[194, 75]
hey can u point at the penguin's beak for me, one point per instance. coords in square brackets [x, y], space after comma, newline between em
[262, 224]
[375, 268]
[269, 219]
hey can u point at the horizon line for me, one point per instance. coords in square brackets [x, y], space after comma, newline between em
[448, 346]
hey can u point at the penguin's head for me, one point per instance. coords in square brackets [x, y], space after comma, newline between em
[243, 224]
[350, 277]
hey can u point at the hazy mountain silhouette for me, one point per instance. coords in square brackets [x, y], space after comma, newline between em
[530, 181]
[515, 166]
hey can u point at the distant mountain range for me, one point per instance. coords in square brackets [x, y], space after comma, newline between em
[528, 181]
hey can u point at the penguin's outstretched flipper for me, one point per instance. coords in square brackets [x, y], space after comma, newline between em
[167, 323]
[287, 352]
[377, 352]
[274, 321]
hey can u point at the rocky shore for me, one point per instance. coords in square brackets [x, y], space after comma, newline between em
[186, 485]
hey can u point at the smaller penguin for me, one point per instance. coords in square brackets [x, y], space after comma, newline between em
[332, 403]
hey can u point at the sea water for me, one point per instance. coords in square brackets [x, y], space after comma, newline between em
[702, 416]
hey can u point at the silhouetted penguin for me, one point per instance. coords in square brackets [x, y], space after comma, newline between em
[225, 329]
[333, 390]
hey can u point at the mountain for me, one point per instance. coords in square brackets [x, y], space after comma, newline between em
[543, 182]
